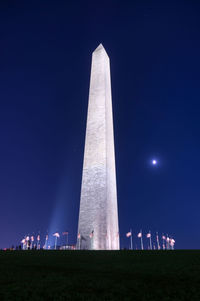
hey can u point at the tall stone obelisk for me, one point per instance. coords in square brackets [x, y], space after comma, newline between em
[98, 215]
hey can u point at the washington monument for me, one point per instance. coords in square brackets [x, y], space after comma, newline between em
[98, 216]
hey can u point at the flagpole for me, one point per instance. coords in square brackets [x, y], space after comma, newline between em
[163, 240]
[170, 246]
[46, 247]
[91, 239]
[131, 240]
[91, 242]
[55, 242]
[167, 239]
[79, 241]
[150, 240]
[38, 241]
[142, 247]
[157, 238]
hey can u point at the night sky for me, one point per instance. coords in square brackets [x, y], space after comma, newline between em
[45, 60]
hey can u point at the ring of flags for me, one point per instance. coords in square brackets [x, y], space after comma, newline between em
[167, 241]
[164, 242]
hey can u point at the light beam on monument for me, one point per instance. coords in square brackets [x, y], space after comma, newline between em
[60, 214]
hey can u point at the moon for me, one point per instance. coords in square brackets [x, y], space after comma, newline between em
[154, 162]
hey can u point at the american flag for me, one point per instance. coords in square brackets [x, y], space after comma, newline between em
[139, 234]
[92, 234]
[172, 241]
[148, 235]
[128, 234]
[56, 234]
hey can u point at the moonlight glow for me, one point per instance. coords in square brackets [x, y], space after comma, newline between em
[154, 162]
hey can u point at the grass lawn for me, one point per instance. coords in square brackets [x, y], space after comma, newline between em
[100, 275]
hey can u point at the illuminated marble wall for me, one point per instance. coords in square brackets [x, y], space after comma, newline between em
[98, 215]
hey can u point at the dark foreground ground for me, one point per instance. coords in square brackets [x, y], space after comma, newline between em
[84, 275]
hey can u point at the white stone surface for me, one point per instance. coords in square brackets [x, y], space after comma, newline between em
[98, 204]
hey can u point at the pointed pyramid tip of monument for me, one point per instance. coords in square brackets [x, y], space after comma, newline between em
[100, 47]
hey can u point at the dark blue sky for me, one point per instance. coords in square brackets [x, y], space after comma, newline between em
[45, 59]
